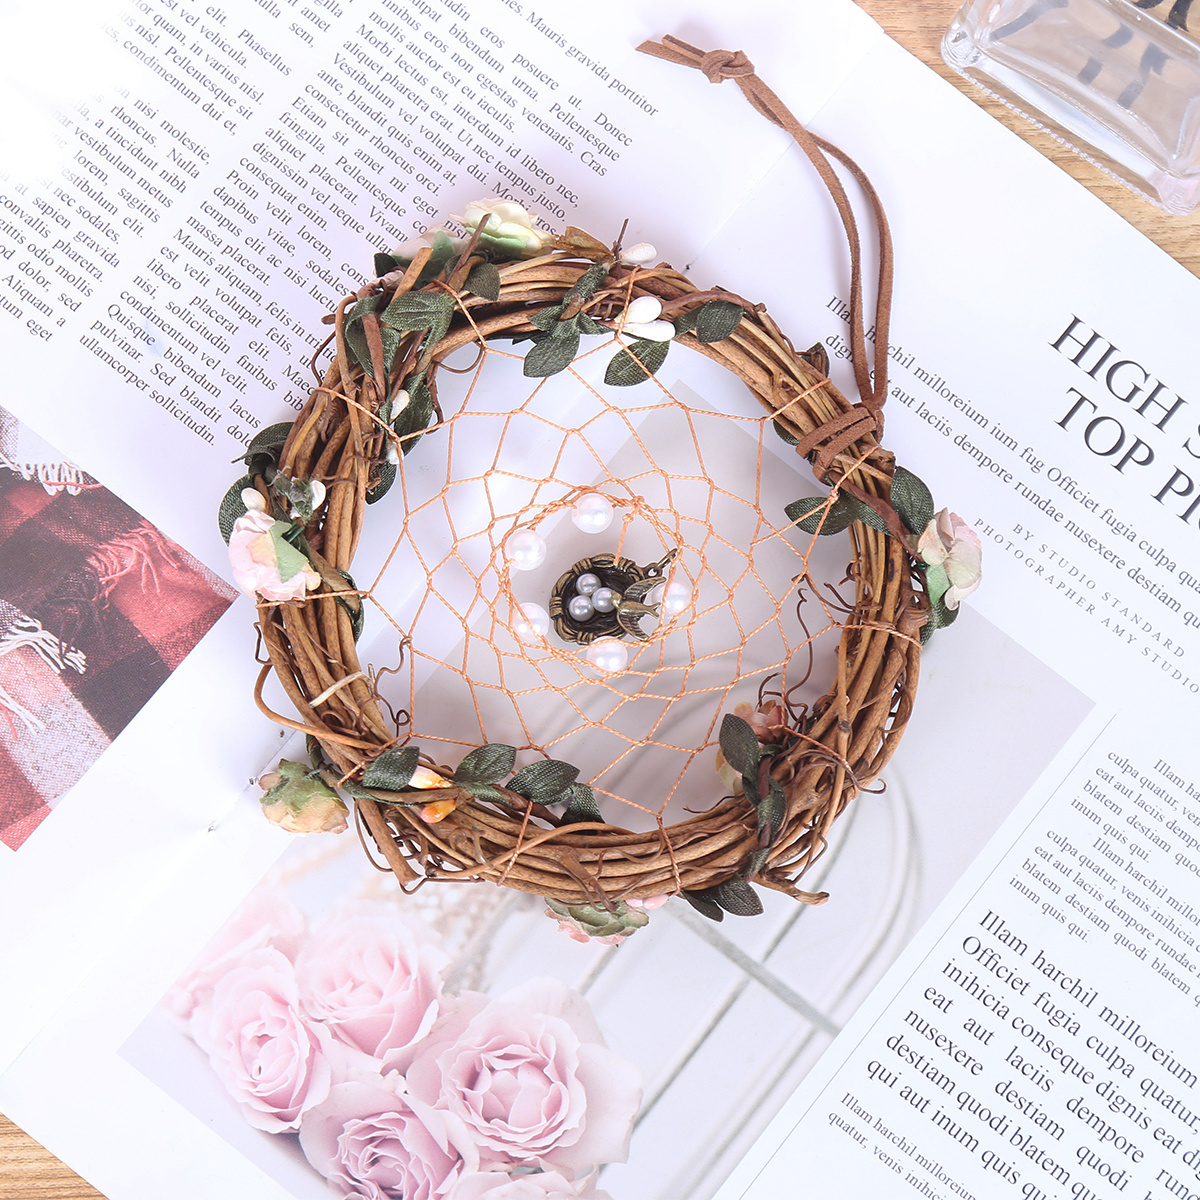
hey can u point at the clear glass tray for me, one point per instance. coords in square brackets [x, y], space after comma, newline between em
[1106, 77]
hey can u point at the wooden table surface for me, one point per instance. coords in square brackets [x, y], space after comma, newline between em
[27, 1172]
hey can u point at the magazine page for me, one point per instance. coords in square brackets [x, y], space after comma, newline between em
[688, 1036]
[184, 199]
[1033, 1039]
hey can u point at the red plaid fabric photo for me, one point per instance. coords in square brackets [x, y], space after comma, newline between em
[97, 608]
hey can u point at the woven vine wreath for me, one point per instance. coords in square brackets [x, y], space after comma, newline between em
[294, 520]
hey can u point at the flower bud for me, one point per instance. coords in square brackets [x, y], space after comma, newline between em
[639, 255]
[298, 801]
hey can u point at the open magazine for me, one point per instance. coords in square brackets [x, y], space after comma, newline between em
[997, 997]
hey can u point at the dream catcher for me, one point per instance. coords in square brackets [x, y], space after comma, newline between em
[612, 671]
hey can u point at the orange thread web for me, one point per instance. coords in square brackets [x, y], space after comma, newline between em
[445, 587]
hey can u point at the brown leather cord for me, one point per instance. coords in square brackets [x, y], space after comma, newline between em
[833, 437]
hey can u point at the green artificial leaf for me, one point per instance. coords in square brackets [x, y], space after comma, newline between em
[552, 354]
[939, 617]
[750, 788]
[353, 606]
[912, 500]
[790, 438]
[291, 561]
[269, 441]
[809, 514]
[356, 338]
[817, 357]
[739, 745]
[484, 280]
[568, 328]
[685, 322]
[385, 264]
[582, 805]
[736, 896]
[772, 809]
[717, 319]
[865, 513]
[392, 770]
[414, 416]
[636, 362]
[546, 318]
[356, 790]
[755, 862]
[585, 324]
[232, 507]
[544, 781]
[702, 901]
[413, 311]
[486, 764]
[589, 282]
[387, 476]
[485, 791]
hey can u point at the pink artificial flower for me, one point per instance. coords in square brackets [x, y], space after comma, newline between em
[530, 1077]
[266, 919]
[546, 1185]
[950, 543]
[649, 903]
[374, 982]
[254, 558]
[767, 721]
[372, 1143]
[272, 1061]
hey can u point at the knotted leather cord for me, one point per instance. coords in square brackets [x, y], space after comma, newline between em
[866, 417]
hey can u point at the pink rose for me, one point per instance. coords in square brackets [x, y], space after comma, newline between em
[950, 543]
[373, 1143]
[265, 919]
[254, 556]
[374, 982]
[531, 1078]
[546, 1185]
[272, 1062]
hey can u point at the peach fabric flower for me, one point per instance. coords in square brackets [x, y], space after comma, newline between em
[950, 543]
[254, 557]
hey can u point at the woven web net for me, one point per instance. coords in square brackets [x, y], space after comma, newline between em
[697, 469]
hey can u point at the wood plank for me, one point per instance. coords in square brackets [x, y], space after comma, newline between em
[27, 1172]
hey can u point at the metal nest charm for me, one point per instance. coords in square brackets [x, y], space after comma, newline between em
[605, 596]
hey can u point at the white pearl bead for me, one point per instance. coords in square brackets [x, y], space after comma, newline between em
[525, 550]
[607, 655]
[593, 513]
[678, 596]
[604, 600]
[531, 622]
[580, 607]
[587, 583]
